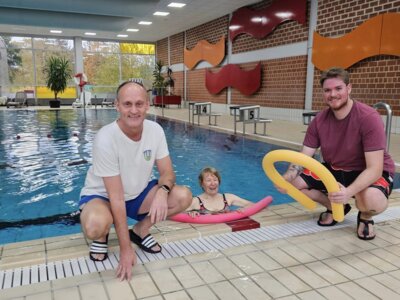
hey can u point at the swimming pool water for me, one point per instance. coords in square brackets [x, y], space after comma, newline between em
[44, 157]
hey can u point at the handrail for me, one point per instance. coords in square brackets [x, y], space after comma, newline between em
[388, 120]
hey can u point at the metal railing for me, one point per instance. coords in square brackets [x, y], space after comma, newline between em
[388, 120]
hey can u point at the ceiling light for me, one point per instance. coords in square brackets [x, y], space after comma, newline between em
[234, 27]
[132, 30]
[122, 35]
[145, 23]
[55, 31]
[161, 13]
[90, 33]
[176, 4]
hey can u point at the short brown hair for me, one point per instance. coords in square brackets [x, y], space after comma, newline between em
[210, 170]
[335, 72]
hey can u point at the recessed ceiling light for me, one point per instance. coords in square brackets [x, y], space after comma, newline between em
[90, 33]
[132, 30]
[122, 35]
[145, 23]
[176, 4]
[55, 31]
[161, 13]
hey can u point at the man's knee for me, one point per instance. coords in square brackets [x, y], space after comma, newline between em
[372, 200]
[182, 196]
[95, 225]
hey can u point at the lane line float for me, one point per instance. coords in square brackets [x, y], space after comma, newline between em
[224, 217]
[310, 163]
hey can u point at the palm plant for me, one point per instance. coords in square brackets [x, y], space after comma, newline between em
[158, 78]
[57, 71]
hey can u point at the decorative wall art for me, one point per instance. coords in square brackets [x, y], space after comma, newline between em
[378, 35]
[214, 54]
[247, 82]
[260, 23]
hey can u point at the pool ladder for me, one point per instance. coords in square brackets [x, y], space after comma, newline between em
[388, 120]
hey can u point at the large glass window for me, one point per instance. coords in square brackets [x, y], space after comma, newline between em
[137, 66]
[16, 67]
[102, 70]
[106, 64]
[42, 56]
[21, 63]
[53, 44]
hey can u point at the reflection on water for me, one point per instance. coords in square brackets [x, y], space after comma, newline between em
[44, 156]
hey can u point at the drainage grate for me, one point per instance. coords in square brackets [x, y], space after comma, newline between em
[83, 265]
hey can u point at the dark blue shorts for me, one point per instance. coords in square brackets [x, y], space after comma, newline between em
[132, 206]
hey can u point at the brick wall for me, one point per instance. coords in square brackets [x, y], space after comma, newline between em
[285, 33]
[197, 90]
[177, 44]
[338, 17]
[179, 83]
[283, 82]
[374, 79]
[211, 32]
[162, 51]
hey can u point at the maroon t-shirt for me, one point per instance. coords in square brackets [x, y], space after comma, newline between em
[344, 142]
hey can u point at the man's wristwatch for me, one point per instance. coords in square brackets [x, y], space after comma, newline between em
[165, 188]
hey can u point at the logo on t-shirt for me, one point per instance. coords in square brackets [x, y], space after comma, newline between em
[147, 154]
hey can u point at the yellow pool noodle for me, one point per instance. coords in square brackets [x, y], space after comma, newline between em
[310, 163]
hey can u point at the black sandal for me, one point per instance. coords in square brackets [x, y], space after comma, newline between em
[146, 244]
[99, 248]
[365, 232]
[347, 208]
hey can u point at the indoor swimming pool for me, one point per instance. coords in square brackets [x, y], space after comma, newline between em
[44, 156]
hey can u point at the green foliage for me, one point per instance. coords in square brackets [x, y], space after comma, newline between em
[158, 79]
[14, 59]
[57, 71]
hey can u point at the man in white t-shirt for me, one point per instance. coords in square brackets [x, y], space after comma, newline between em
[119, 184]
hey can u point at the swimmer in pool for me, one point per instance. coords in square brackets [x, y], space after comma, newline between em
[211, 201]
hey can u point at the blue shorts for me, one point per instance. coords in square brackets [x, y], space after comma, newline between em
[132, 206]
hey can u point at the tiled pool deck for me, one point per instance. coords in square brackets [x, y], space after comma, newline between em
[293, 264]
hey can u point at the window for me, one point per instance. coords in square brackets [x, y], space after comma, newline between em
[106, 64]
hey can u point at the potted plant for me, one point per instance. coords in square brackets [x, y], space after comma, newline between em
[57, 71]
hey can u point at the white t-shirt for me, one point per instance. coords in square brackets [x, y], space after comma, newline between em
[116, 154]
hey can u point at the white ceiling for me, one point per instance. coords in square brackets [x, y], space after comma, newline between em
[109, 17]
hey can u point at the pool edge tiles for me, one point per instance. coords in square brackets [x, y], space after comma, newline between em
[166, 231]
[17, 277]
